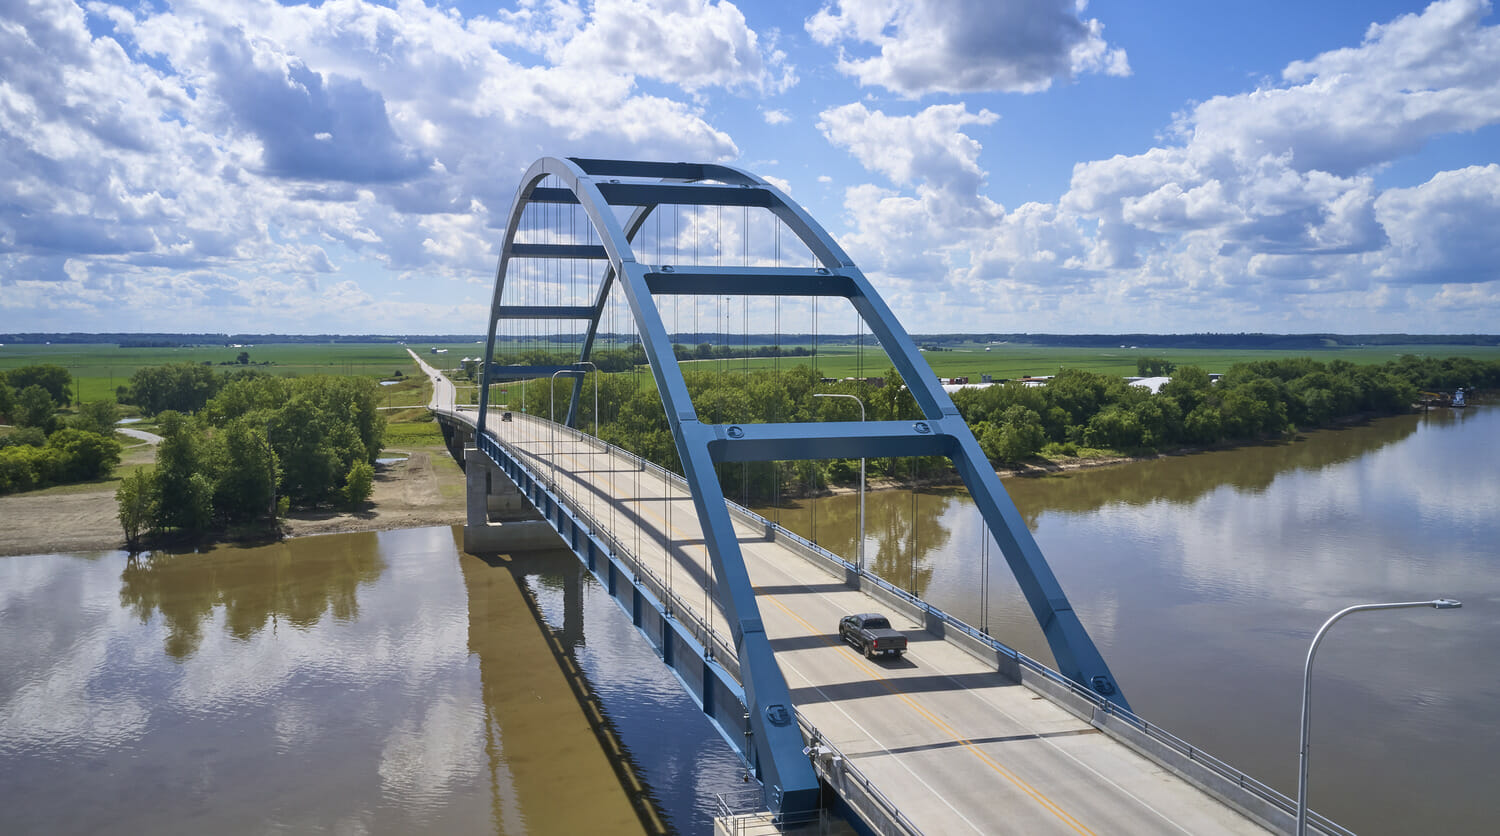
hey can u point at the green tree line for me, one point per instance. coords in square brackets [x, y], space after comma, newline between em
[44, 447]
[259, 446]
[1076, 410]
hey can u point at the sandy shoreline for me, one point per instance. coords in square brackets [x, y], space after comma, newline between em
[425, 489]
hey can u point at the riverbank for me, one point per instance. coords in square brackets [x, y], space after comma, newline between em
[425, 488]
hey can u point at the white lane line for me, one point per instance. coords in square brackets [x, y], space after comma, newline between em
[901, 762]
[979, 695]
[741, 531]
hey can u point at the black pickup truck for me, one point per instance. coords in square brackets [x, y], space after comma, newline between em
[872, 634]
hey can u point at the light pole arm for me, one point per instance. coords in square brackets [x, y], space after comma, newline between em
[1312, 651]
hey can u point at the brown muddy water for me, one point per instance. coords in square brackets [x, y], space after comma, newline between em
[350, 683]
[387, 683]
[1203, 578]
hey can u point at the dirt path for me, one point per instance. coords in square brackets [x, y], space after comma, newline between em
[427, 488]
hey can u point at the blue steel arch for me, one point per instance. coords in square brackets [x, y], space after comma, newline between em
[599, 187]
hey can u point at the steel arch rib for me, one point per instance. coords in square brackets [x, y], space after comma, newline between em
[791, 785]
[699, 446]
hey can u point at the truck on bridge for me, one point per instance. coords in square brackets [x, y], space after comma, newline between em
[872, 634]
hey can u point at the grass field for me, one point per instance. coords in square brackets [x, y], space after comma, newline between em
[98, 369]
[1014, 360]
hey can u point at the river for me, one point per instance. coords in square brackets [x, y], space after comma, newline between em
[1203, 578]
[385, 682]
[351, 683]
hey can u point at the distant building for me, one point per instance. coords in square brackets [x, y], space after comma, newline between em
[1152, 383]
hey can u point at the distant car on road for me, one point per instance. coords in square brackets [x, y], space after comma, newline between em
[872, 634]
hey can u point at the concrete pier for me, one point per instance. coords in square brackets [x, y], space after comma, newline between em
[498, 520]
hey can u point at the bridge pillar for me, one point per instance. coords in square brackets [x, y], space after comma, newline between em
[491, 494]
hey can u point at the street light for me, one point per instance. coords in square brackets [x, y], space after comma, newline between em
[859, 552]
[1439, 604]
[591, 365]
[552, 416]
[592, 448]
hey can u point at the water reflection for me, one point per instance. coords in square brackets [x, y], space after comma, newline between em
[659, 730]
[1183, 479]
[298, 580]
[1202, 578]
[376, 683]
[904, 530]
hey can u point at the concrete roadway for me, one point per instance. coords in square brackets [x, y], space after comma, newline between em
[956, 746]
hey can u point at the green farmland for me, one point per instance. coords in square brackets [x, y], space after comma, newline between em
[1011, 360]
[98, 369]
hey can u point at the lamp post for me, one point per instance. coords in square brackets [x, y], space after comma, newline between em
[590, 364]
[1438, 603]
[552, 417]
[859, 552]
[592, 448]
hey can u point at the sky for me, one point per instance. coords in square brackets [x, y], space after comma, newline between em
[1045, 166]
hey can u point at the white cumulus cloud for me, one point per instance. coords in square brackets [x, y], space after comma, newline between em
[963, 46]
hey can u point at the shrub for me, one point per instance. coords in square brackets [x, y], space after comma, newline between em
[359, 484]
[84, 455]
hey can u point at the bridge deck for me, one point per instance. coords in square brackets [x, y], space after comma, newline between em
[956, 746]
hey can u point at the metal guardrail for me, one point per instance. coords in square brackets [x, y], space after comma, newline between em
[719, 649]
[744, 814]
[846, 771]
[1214, 764]
[711, 639]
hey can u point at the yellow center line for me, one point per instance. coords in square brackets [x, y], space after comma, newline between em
[875, 673]
[953, 734]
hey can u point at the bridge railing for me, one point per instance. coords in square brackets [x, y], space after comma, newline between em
[1149, 737]
[853, 787]
[719, 648]
[1088, 704]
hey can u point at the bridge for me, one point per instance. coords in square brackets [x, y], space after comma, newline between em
[963, 733]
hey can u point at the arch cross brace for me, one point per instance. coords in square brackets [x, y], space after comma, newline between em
[618, 196]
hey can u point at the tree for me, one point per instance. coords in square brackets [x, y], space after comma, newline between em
[7, 399]
[96, 417]
[244, 468]
[35, 408]
[243, 358]
[136, 502]
[1204, 424]
[1016, 436]
[1153, 366]
[24, 467]
[1115, 427]
[53, 378]
[29, 436]
[181, 387]
[1189, 386]
[358, 484]
[84, 455]
[184, 493]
